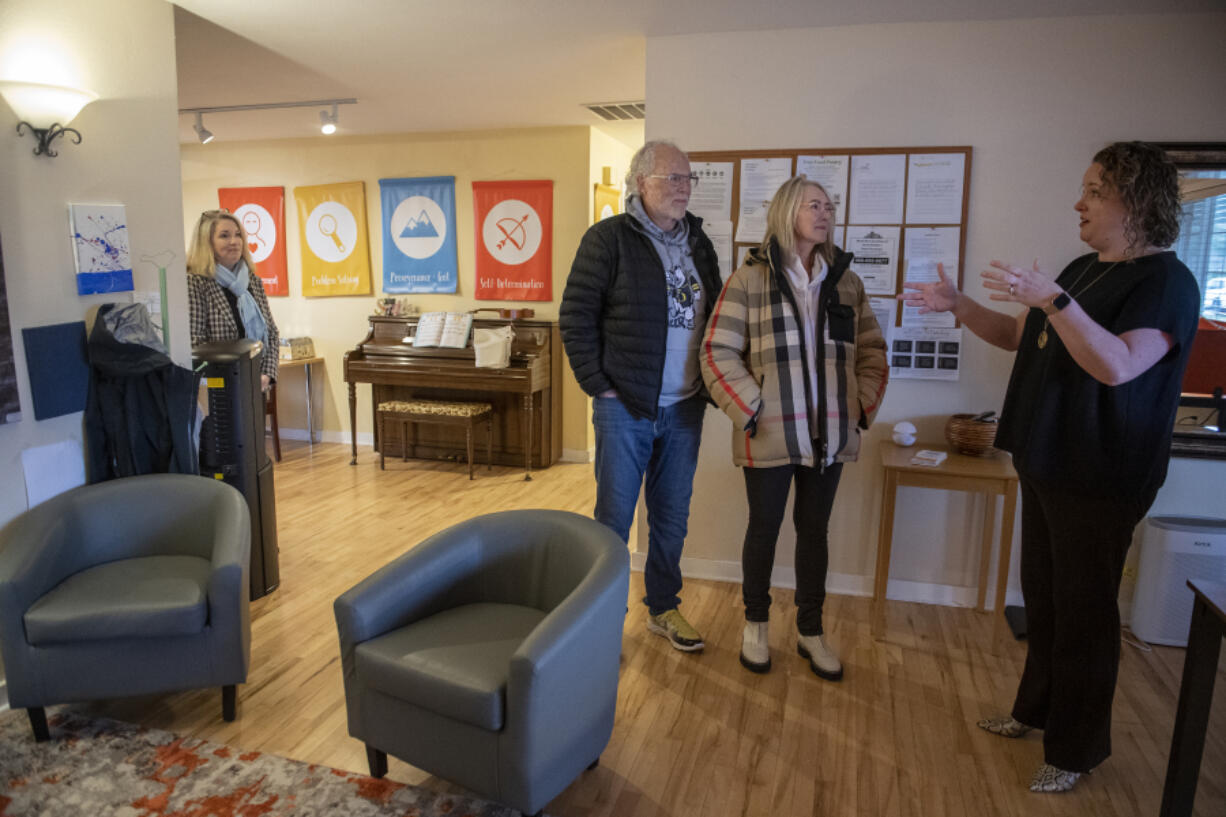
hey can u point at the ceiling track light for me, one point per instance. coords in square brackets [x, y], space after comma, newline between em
[327, 120]
[202, 133]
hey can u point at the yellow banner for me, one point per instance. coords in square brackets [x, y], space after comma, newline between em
[333, 240]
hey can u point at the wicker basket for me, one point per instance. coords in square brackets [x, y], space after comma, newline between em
[966, 436]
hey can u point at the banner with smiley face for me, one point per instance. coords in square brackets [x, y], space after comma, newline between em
[261, 211]
[514, 231]
[332, 237]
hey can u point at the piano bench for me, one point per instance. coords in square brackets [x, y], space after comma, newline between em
[440, 412]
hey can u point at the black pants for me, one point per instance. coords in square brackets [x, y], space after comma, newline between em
[767, 489]
[1073, 550]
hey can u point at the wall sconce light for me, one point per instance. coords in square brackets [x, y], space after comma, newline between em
[202, 133]
[52, 106]
[327, 121]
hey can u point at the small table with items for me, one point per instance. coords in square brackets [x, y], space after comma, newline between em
[992, 475]
[307, 363]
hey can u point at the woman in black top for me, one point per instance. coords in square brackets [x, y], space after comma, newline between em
[1088, 417]
[225, 295]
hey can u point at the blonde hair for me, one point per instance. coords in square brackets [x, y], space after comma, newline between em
[781, 219]
[200, 257]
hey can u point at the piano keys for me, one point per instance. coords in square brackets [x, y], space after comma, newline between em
[527, 395]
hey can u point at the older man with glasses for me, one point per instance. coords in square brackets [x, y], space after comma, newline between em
[632, 318]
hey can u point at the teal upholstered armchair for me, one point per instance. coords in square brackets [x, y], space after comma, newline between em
[127, 587]
[488, 655]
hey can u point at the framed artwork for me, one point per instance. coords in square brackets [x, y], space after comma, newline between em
[100, 248]
[606, 201]
[10, 399]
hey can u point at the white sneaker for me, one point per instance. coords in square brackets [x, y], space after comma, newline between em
[755, 652]
[822, 660]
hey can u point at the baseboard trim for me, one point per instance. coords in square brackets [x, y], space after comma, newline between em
[840, 584]
[578, 455]
[365, 438]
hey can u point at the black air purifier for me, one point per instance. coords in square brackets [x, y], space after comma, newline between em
[232, 445]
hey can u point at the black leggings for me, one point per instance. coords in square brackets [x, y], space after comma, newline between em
[1073, 550]
[767, 490]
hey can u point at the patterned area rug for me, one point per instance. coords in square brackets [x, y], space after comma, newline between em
[105, 768]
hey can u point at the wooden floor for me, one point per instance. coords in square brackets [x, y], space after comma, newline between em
[695, 734]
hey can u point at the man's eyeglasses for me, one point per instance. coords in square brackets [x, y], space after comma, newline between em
[677, 180]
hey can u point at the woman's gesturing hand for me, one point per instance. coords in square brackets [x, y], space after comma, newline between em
[1031, 287]
[931, 296]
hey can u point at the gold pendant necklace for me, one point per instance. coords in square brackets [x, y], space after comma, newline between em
[1041, 341]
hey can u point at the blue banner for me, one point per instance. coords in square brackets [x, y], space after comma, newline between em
[419, 246]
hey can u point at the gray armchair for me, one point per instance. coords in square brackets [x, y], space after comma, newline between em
[488, 655]
[128, 587]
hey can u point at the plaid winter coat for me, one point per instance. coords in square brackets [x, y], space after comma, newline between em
[753, 363]
[212, 318]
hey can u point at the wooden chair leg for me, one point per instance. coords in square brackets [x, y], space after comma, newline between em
[38, 721]
[468, 440]
[377, 760]
[229, 702]
[404, 440]
[271, 409]
[382, 442]
[489, 443]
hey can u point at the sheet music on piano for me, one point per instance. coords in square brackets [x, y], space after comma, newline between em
[448, 330]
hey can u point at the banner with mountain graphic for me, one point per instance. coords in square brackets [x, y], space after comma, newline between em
[419, 246]
[513, 221]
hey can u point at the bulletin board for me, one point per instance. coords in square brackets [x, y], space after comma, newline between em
[899, 210]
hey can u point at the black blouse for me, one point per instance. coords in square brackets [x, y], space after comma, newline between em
[1065, 427]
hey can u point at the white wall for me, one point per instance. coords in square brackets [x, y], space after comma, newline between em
[124, 51]
[1035, 99]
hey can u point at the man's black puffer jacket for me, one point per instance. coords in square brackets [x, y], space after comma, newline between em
[614, 314]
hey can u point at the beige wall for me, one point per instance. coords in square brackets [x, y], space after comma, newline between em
[124, 51]
[609, 152]
[1035, 99]
[338, 324]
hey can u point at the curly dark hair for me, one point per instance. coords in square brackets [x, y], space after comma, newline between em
[1148, 183]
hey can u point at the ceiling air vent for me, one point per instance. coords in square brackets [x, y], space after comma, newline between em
[616, 111]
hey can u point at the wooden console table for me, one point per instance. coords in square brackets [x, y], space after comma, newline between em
[306, 363]
[1205, 635]
[990, 475]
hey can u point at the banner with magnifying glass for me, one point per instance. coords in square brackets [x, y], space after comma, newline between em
[261, 211]
[332, 238]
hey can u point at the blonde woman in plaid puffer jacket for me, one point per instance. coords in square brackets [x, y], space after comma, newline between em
[794, 355]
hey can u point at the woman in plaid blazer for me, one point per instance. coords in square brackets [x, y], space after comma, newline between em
[224, 293]
[795, 357]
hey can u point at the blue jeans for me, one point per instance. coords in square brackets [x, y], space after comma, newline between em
[665, 450]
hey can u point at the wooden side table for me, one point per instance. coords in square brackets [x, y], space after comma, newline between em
[1205, 635]
[990, 475]
[307, 363]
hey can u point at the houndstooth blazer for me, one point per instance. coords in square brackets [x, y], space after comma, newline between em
[213, 319]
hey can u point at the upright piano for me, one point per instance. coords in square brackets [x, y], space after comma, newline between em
[527, 395]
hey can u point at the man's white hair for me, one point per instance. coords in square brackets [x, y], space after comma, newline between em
[644, 161]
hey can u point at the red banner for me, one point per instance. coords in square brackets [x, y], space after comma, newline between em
[261, 211]
[514, 230]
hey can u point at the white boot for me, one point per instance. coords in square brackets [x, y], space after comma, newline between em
[755, 652]
[822, 660]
